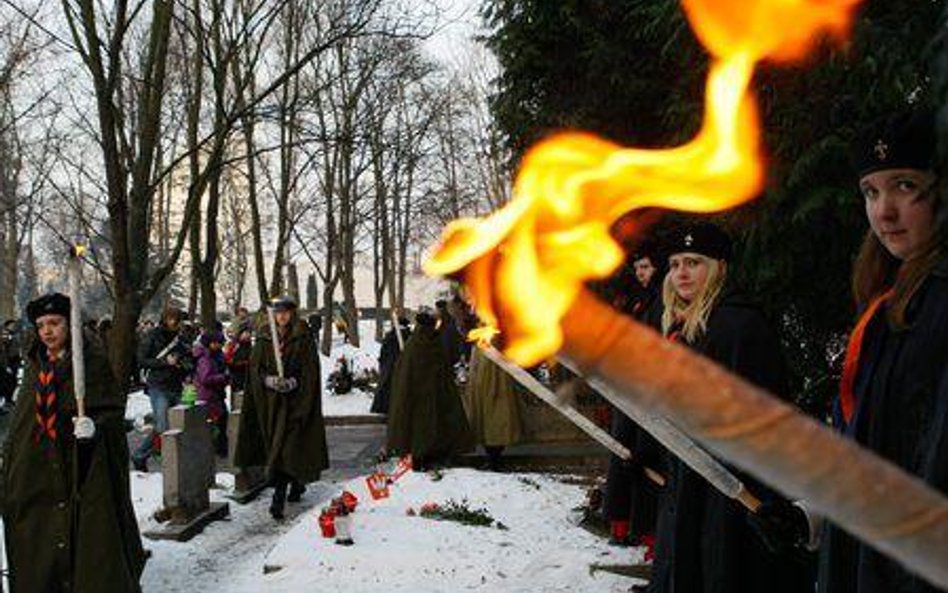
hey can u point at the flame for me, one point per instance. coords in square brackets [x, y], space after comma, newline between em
[482, 336]
[525, 264]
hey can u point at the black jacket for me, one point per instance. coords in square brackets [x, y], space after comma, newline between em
[158, 372]
[704, 541]
[901, 390]
[630, 495]
[388, 356]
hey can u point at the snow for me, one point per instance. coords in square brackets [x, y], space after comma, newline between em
[361, 360]
[541, 549]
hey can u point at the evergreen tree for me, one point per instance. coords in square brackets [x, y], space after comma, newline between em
[632, 71]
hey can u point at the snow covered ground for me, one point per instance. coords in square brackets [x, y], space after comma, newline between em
[541, 549]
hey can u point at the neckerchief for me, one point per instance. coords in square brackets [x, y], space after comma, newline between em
[847, 397]
[46, 412]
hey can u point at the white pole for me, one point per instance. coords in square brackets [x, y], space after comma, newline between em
[75, 327]
[683, 447]
[398, 331]
[276, 341]
[541, 391]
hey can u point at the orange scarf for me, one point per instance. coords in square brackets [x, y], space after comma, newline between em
[847, 398]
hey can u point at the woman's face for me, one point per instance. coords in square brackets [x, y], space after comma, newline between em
[53, 330]
[689, 274]
[900, 205]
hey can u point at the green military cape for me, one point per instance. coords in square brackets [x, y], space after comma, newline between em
[284, 432]
[425, 416]
[490, 399]
[63, 535]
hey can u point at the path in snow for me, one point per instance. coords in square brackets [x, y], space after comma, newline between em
[234, 550]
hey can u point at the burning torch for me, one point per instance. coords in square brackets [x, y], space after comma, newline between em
[84, 427]
[271, 318]
[527, 263]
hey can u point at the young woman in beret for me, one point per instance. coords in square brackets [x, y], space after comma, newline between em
[894, 390]
[67, 510]
[705, 543]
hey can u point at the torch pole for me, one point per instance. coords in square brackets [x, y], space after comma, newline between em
[276, 341]
[869, 497]
[75, 328]
[572, 414]
[398, 331]
[683, 447]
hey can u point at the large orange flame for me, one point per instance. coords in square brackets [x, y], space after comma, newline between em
[525, 263]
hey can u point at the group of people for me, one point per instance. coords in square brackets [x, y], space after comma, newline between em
[67, 512]
[68, 518]
[893, 395]
[443, 397]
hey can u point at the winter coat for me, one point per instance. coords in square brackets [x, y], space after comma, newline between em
[67, 510]
[490, 400]
[425, 416]
[451, 339]
[388, 356]
[630, 495]
[901, 414]
[159, 373]
[237, 359]
[704, 541]
[284, 432]
[210, 379]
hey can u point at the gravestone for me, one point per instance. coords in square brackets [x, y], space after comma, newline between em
[187, 468]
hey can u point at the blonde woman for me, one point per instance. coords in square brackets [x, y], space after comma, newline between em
[704, 541]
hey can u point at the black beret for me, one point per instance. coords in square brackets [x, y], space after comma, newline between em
[283, 303]
[902, 140]
[703, 238]
[49, 304]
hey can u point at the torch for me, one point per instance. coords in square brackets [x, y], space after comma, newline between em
[568, 411]
[84, 427]
[676, 441]
[527, 263]
[398, 331]
[271, 317]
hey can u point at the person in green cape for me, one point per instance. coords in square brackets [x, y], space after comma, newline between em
[281, 423]
[68, 519]
[426, 418]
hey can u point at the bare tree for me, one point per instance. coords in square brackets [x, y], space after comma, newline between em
[129, 97]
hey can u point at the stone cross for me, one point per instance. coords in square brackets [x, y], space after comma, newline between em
[187, 467]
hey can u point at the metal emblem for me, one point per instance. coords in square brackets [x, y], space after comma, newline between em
[882, 150]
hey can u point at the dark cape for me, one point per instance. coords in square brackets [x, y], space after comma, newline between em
[705, 543]
[901, 390]
[426, 417]
[67, 511]
[388, 356]
[630, 495]
[284, 432]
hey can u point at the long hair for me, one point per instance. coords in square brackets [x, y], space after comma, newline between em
[875, 270]
[693, 316]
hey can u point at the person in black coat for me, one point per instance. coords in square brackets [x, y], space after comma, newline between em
[894, 391]
[165, 354]
[705, 543]
[451, 339]
[388, 356]
[630, 501]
